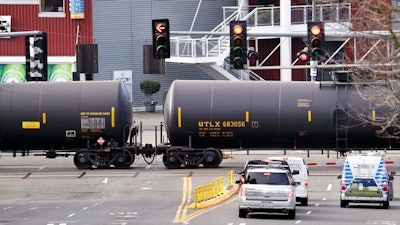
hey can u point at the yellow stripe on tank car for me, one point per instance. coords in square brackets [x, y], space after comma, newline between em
[112, 116]
[44, 118]
[373, 115]
[309, 116]
[179, 117]
[247, 116]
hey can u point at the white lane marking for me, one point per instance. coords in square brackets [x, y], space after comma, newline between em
[381, 222]
[316, 205]
[71, 215]
[242, 223]
[324, 199]
[298, 221]
[105, 180]
[329, 188]
[146, 188]
[41, 168]
[309, 212]
[84, 208]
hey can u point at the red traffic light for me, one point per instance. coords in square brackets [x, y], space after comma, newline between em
[238, 44]
[303, 56]
[161, 39]
[160, 28]
[252, 56]
[315, 40]
[237, 29]
[316, 30]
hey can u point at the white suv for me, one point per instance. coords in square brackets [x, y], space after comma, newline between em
[301, 178]
[267, 190]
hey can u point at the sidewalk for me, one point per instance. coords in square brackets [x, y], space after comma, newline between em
[149, 121]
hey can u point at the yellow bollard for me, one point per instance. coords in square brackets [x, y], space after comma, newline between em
[195, 198]
[220, 186]
[229, 178]
[199, 193]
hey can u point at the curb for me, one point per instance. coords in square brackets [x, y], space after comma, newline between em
[227, 194]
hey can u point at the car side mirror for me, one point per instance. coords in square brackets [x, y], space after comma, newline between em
[339, 177]
[239, 171]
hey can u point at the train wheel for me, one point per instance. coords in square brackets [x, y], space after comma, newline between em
[81, 161]
[213, 159]
[173, 163]
[125, 160]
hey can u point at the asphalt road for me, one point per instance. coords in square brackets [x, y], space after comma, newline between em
[34, 190]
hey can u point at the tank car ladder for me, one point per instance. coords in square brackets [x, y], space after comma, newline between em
[341, 119]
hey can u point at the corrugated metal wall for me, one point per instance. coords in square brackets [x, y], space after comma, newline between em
[122, 27]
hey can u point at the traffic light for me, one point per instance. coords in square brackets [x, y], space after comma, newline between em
[161, 43]
[238, 44]
[36, 57]
[303, 56]
[252, 56]
[316, 39]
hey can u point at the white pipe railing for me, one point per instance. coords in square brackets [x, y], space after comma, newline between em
[217, 45]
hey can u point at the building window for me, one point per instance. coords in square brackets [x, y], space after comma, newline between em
[52, 5]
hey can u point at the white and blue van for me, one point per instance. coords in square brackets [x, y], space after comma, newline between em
[365, 179]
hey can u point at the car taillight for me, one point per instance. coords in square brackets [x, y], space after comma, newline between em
[243, 191]
[291, 194]
[306, 183]
[241, 179]
[385, 186]
[343, 186]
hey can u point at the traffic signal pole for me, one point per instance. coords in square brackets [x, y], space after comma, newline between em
[313, 63]
[313, 70]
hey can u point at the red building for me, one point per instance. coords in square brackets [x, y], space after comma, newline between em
[65, 27]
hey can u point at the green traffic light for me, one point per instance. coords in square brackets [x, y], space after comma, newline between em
[316, 52]
[238, 52]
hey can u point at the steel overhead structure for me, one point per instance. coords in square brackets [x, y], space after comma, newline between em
[21, 33]
[379, 35]
[352, 34]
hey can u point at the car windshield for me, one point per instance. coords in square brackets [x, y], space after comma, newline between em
[267, 178]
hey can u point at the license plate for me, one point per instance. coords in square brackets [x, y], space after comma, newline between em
[266, 204]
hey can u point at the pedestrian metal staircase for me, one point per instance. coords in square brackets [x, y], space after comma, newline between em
[212, 48]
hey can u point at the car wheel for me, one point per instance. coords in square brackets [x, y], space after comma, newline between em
[386, 204]
[292, 214]
[242, 213]
[304, 201]
[343, 203]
